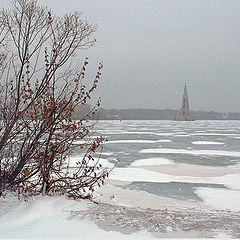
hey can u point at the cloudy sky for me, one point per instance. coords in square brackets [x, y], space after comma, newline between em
[150, 48]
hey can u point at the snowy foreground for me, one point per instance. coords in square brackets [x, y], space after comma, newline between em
[55, 218]
[172, 180]
[62, 218]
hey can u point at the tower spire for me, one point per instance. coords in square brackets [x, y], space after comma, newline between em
[185, 112]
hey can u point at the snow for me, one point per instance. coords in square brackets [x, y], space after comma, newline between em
[164, 140]
[182, 135]
[213, 134]
[220, 198]
[138, 175]
[207, 143]
[105, 153]
[144, 175]
[104, 162]
[222, 235]
[61, 218]
[131, 141]
[55, 218]
[119, 132]
[80, 142]
[152, 162]
[137, 141]
[193, 152]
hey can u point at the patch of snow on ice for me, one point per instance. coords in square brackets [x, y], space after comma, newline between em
[137, 141]
[182, 135]
[207, 143]
[213, 134]
[136, 133]
[193, 152]
[152, 162]
[105, 153]
[143, 175]
[164, 140]
[138, 175]
[132, 141]
[220, 198]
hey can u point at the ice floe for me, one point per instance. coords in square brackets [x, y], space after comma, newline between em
[213, 134]
[220, 198]
[207, 143]
[137, 141]
[164, 140]
[192, 152]
[131, 141]
[138, 174]
[152, 162]
[182, 135]
[105, 153]
[120, 132]
[143, 175]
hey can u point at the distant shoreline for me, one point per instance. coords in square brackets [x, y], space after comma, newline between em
[154, 114]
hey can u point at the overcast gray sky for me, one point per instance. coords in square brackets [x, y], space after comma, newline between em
[151, 47]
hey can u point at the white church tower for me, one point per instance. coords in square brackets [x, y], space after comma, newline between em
[185, 112]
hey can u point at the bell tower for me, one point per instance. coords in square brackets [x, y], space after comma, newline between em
[185, 112]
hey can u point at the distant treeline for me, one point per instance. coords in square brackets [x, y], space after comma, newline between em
[152, 114]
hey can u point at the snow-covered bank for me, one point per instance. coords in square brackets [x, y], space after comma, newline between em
[61, 218]
[53, 218]
[174, 222]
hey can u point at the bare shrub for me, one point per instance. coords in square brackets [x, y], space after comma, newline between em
[42, 83]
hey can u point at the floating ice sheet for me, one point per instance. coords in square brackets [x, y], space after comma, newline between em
[220, 198]
[152, 162]
[193, 152]
[213, 134]
[144, 175]
[137, 141]
[131, 141]
[120, 132]
[207, 143]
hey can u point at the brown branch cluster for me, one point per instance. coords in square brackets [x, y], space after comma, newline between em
[41, 85]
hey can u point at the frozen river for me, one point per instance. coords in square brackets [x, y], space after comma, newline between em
[195, 161]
